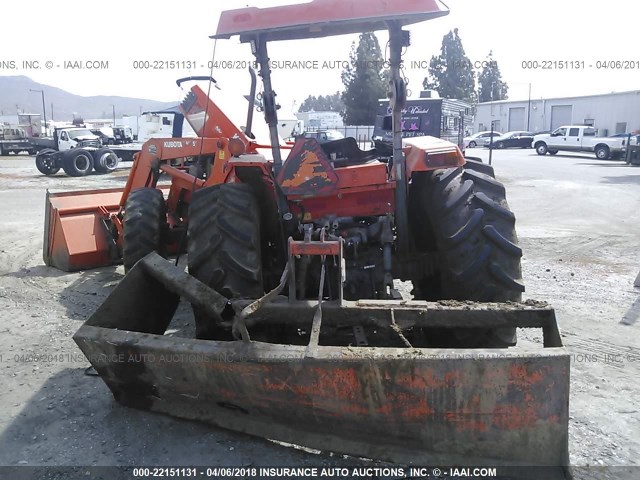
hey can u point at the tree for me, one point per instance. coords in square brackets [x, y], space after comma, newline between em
[491, 85]
[364, 81]
[451, 73]
[332, 103]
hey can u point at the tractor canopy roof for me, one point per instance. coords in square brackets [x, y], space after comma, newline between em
[323, 18]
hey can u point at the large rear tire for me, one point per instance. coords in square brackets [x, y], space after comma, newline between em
[224, 248]
[105, 160]
[474, 232]
[479, 166]
[144, 225]
[46, 162]
[77, 162]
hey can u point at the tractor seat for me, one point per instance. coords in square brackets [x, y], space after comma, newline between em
[345, 152]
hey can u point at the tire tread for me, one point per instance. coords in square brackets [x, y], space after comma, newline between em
[143, 225]
[475, 234]
[224, 247]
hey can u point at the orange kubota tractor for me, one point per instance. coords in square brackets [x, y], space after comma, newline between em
[301, 333]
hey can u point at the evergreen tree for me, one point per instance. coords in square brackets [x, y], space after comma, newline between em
[491, 85]
[332, 103]
[364, 81]
[451, 73]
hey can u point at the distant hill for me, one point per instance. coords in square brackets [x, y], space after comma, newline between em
[15, 97]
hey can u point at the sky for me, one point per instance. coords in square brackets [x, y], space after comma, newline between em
[128, 34]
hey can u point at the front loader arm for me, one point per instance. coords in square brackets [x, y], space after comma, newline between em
[84, 229]
[206, 118]
[214, 129]
[157, 153]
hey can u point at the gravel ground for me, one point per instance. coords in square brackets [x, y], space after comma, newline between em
[579, 226]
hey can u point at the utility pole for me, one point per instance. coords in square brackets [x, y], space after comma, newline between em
[491, 143]
[114, 115]
[529, 107]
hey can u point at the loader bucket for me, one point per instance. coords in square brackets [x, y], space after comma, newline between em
[76, 236]
[405, 405]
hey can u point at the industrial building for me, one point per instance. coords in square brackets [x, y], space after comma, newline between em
[321, 120]
[609, 113]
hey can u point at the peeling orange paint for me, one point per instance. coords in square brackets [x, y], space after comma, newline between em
[521, 375]
[452, 378]
[309, 167]
[419, 382]
[396, 398]
[514, 417]
[416, 411]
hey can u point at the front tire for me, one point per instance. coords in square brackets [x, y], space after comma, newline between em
[77, 162]
[105, 160]
[472, 144]
[224, 248]
[474, 231]
[602, 152]
[46, 162]
[144, 225]
[541, 148]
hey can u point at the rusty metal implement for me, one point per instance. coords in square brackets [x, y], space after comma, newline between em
[408, 405]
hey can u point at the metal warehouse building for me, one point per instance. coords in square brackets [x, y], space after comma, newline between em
[610, 113]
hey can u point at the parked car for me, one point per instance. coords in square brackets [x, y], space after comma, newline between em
[323, 136]
[478, 139]
[516, 139]
[634, 140]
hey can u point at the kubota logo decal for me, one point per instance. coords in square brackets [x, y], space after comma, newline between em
[172, 144]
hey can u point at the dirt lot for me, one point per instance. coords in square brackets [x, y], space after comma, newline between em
[579, 226]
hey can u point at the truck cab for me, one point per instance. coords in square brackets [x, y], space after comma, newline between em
[106, 135]
[12, 133]
[122, 135]
[570, 138]
[68, 138]
[13, 139]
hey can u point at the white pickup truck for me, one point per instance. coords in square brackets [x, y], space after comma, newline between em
[579, 138]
